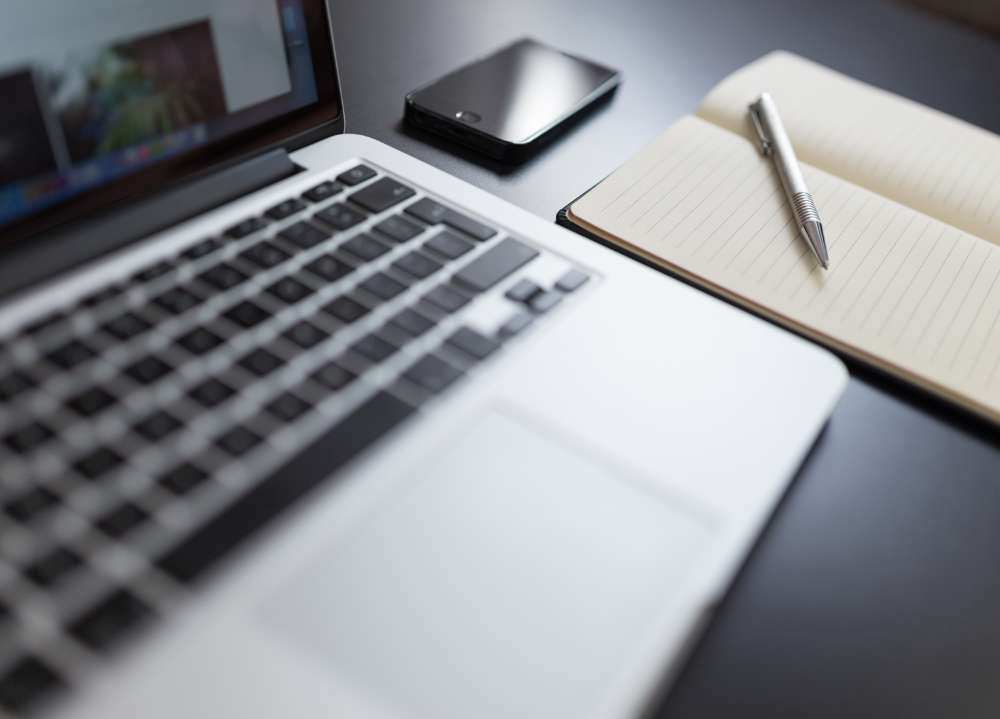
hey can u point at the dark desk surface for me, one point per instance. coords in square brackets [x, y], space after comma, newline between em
[876, 589]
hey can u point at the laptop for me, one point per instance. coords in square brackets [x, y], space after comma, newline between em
[293, 424]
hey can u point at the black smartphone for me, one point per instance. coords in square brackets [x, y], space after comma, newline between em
[508, 104]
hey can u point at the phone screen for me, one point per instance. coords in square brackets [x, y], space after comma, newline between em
[517, 93]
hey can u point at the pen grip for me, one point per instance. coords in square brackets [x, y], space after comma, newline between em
[805, 208]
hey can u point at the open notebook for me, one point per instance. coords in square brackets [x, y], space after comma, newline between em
[910, 201]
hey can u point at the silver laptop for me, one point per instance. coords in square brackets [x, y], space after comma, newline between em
[293, 424]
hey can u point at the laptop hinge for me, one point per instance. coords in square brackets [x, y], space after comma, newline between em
[60, 250]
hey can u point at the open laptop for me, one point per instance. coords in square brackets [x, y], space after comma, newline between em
[293, 424]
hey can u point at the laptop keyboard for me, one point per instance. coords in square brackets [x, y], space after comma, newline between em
[152, 426]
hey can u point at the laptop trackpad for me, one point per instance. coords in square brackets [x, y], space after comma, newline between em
[512, 578]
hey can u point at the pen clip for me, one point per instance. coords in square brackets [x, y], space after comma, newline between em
[765, 143]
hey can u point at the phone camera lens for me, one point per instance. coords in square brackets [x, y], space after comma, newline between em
[468, 116]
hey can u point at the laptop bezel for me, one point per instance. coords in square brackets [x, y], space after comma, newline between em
[286, 132]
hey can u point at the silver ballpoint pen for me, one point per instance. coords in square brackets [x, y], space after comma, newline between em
[774, 142]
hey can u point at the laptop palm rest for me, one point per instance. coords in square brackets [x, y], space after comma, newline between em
[513, 578]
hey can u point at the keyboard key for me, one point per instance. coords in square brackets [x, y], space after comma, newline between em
[154, 271]
[98, 463]
[157, 425]
[260, 362]
[177, 300]
[71, 354]
[473, 344]
[356, 175]
[366, 247]
[54, 567]
[382, 194]
[417, 265]
[523, 291]
[287, 407]
[398, 228]
[572, 281]
[202, 249]
[148, 370]
[14, 383]
[108, 623]
[448, 245]
[447, 299]
[126, 326]
[308, 470]
[428, 211]
[91, 402]
[183, 479]
[31, 504]
[238, 441]
[346, 309]
[211, 393]
[247, 227]
[333, 376]
[323, 191]
[304, 235]
[545, 301]
[285, 209]
[124, 519]
[289, 290]
[28, 437]
[434, 213]
[199, 341]
[246, 314]
[515, 325]
[412, 322]
[374, 348]
[433, 373]
[495, 264]
[265, 255]
[102, 295]
[340, 217]
[44, 324]
[329, 268]
[223, 276]
[27, 684]
[305, 334]
[383, 286]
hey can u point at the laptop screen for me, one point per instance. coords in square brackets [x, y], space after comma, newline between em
[97, 93]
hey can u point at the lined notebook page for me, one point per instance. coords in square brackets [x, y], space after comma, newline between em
[910, 153]
[904, 290]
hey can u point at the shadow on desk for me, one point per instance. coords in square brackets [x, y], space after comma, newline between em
[951, 414]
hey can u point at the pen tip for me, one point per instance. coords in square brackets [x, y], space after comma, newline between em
[817, 241]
